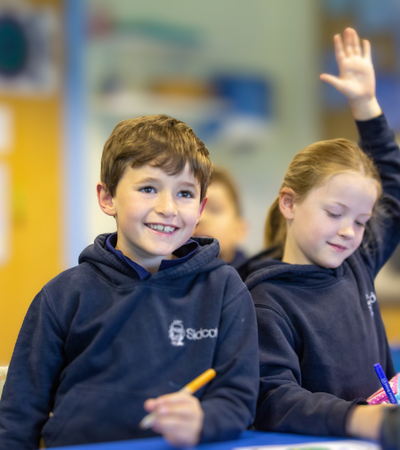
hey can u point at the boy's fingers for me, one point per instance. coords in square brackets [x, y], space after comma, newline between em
[182, 410]
[169, 425]
[150, 404]
[182, 438]
[179, 430]
[176, 397]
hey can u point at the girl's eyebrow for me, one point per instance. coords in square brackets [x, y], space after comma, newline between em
[346, 207]
[340, 204]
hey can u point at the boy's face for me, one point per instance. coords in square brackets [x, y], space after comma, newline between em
[156, 213]
[221, 221]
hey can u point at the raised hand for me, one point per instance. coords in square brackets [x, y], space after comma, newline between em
[356, 78]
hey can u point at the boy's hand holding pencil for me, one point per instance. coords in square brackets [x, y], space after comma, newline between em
[178, 416]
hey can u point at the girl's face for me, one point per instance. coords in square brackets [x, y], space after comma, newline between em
[328, 225]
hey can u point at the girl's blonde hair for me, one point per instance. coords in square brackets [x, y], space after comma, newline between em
[311, 168]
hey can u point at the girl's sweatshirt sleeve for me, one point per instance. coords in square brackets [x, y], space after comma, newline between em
[383, 232]
[283, 404]
[33, 373]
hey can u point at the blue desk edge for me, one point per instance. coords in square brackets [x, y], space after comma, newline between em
[246, 439]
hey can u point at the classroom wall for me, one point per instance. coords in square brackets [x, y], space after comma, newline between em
[32, 187]
[51, 180]
[267, 38]
[52, 202]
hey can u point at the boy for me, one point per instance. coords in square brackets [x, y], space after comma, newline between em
[145, 312]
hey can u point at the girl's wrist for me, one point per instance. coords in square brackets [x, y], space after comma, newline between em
[365, 109]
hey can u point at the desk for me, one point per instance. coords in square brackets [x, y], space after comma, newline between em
[246, 439]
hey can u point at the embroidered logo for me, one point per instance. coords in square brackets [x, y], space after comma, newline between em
[371, 299]
[177, 333]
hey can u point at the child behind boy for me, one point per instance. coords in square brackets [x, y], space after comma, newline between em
[222, 218]
[146, 311]
[320, 328]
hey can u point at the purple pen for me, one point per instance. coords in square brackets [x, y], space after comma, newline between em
[385, 383]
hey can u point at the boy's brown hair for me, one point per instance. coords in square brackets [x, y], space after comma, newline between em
[160, 141]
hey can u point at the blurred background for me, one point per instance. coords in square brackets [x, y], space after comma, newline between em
[243, 75]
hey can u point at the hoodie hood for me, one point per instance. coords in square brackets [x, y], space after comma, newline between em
[204, 260]
[308, 275]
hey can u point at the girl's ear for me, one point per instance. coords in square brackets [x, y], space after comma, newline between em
[287, 198]
[105, 200]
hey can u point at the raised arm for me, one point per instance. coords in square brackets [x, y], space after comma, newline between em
[356, 81]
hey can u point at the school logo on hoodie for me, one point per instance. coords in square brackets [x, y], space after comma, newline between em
[177, 333]
[371, 299]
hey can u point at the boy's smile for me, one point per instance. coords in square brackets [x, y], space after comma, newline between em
[328, 225]
[156, 213]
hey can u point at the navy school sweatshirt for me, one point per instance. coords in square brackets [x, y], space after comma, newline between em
[97, 342]
[320, 330]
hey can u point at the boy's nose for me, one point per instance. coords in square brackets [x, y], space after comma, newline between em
[166, 205]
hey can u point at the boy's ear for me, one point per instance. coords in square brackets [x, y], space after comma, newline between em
[287, 198]
[201, 209]
[105, 199]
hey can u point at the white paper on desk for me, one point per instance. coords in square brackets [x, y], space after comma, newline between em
[323, 445]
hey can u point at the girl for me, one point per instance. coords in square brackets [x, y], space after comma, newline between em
[320, 329]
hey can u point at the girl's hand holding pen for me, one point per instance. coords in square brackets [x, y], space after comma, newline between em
[179, 418]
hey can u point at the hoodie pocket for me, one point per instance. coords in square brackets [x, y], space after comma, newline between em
[92, 414]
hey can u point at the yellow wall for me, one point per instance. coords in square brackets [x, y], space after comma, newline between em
[36, 202]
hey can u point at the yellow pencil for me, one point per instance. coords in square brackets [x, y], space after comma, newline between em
[190, 388]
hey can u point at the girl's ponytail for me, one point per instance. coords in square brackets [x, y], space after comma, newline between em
[275, 227]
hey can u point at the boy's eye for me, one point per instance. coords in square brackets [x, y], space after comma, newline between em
[186, 194]
[148, 190]
[361, 225]
[332, 215]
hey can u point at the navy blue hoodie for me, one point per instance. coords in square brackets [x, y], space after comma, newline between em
[97, 342]
[320, 330]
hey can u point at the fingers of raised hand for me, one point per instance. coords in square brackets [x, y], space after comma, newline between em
[351, 42]
[351, 45]
[339, 50]
[366, 49]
